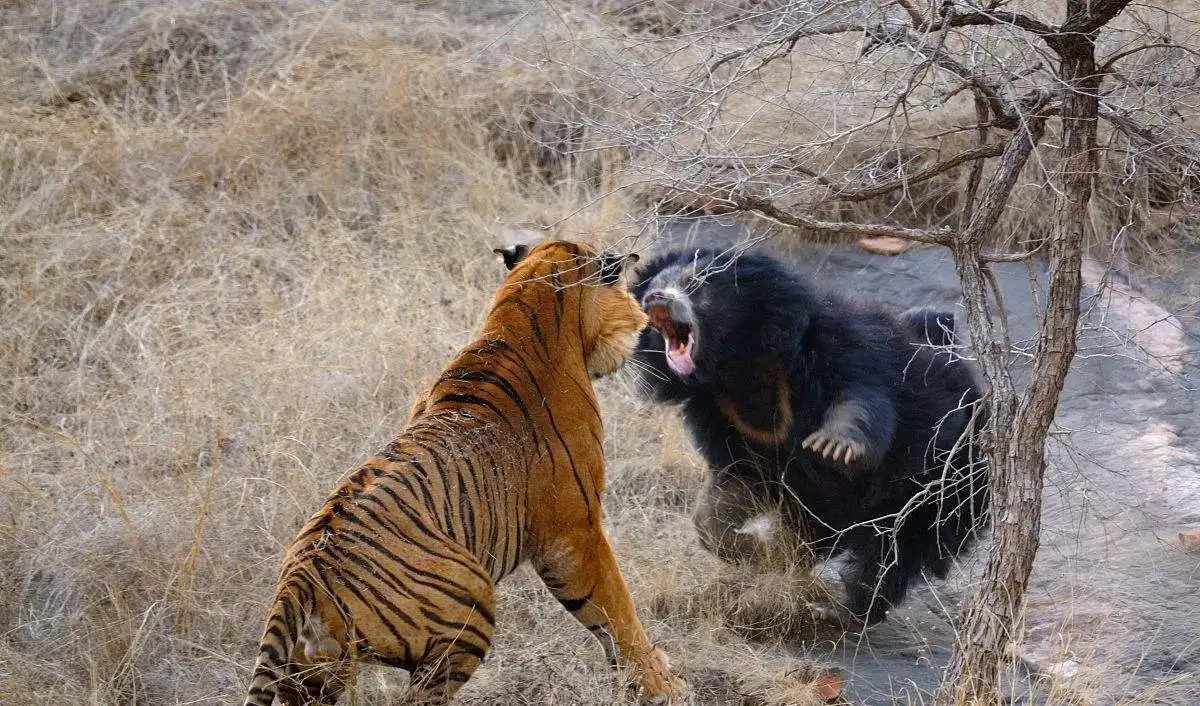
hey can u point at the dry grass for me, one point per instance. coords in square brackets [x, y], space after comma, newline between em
[237, 237]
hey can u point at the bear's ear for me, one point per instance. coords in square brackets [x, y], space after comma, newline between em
[512, 254]
[611, 266]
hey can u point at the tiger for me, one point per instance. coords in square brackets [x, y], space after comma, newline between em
[501, 462]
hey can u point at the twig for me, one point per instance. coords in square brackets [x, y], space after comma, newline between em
[1093, 16]
[918, 20]
[769, 210]
[972, 155]
[997, 17]
[790, 39]
[1011, 257]
[982, 116]
[1107, 66]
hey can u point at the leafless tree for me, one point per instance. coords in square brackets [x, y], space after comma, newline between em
[1004, 131]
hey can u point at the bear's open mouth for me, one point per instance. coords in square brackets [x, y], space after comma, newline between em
[678, 337]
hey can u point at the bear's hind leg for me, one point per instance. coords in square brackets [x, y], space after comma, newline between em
[879, 573]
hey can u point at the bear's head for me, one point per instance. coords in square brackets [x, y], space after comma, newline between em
[712, 312]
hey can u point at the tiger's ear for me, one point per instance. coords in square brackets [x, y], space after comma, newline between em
[512, 254]
[611, 266]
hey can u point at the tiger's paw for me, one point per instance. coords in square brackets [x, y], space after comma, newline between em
[837, 445]
[677, 695]
[659, 686]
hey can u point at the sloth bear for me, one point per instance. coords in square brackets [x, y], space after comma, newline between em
[854, 423]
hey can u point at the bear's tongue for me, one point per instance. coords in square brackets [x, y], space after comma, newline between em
[679, 357]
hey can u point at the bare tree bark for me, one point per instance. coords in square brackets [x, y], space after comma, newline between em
[1016, 433]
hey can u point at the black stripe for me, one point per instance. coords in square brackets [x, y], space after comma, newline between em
[387, 522]
[442, 584]
[560, 293]
[490, 378]
[289, 614]
[587, 500]
[277, 631]
[453, 636]
[439, 465]
[389, 580]
[373, 606]
[467, 496]
[423, 485]
[574, 604]
[273, 656]
[460, 628]
[531, 316]
[391, 452]
[472, 400]
[587, 392]
[437, 537]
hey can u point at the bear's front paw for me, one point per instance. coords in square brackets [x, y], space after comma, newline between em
[835, 447]
[834, 614]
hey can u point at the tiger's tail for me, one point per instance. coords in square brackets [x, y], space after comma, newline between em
[275, 649]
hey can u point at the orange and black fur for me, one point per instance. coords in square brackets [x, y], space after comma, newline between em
[501, 463]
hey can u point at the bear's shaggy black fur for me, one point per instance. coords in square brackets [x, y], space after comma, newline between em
[849, 419]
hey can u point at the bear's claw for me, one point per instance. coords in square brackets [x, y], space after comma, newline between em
[838, 449]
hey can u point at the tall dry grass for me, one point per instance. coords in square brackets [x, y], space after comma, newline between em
[238, 236]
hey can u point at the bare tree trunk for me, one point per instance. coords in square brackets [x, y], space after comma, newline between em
[1016, 433]
[1015, 483]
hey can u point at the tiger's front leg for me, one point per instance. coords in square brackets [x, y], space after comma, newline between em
[582, 573]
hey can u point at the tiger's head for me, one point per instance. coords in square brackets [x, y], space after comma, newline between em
[586, 291]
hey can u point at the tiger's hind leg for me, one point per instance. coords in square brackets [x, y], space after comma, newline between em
[321, 683]
[459, 634]
[437, 679]
[582, 573]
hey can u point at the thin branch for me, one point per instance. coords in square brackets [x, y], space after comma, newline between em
[1016, 153]
[790, 39]
[1002, 109]
[971, 155]
[1011, 257]
[1107, 66]
[982, 117]
[1187, 155]
[785, 162]
[770, 211]
[918, 20]
[1096, 15]
[997, 17]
